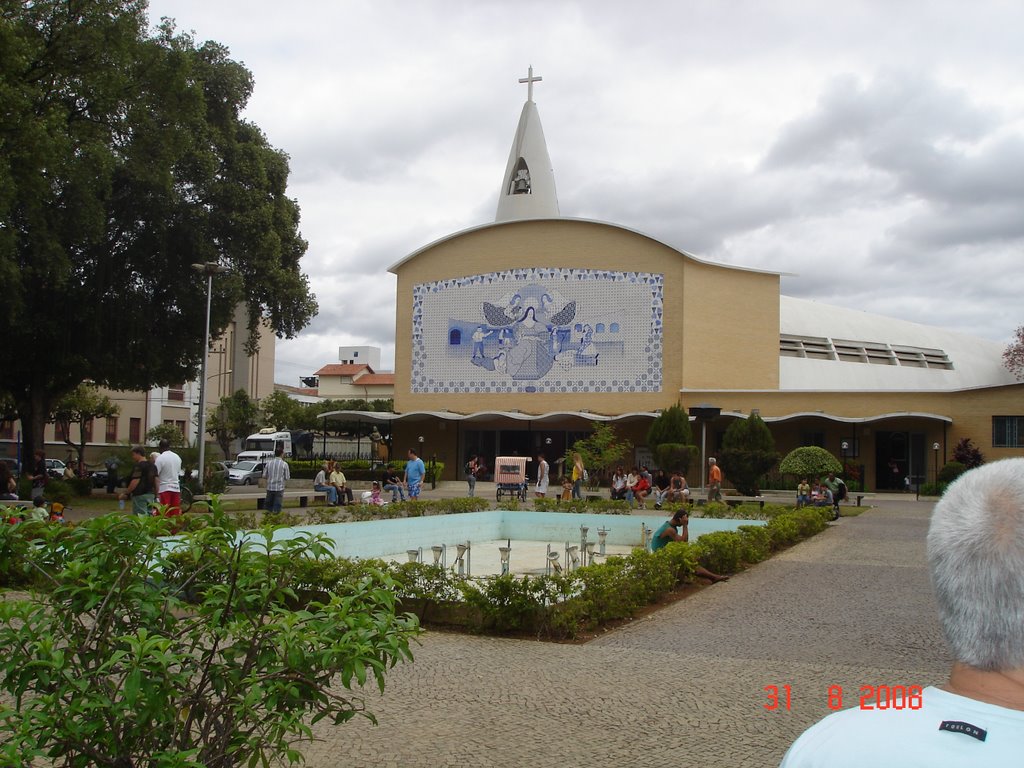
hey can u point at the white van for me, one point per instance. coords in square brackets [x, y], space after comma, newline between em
[261, 446]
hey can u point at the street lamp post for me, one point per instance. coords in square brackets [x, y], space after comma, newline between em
[935, 450]
[845, 448]
[209, 268]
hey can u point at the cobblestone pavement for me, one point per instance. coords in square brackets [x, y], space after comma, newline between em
[684, 686]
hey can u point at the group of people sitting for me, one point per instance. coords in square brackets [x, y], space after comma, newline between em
[331, 481]
[638, 485]
[826, 493]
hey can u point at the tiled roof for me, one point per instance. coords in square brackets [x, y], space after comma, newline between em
[342, 369]
[376, 379]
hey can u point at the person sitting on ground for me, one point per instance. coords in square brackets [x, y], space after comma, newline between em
[678, 489]
[321, 485]
[375, 498]
[393, 483]
[340, 483]
[824, 497]
[838, 489]
[803, 493]
[38, 512]
[618, 485]
[975, 547]
[660, 488]
[69, 472]
[677, 529]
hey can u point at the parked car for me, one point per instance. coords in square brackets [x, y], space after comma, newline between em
[55, 468]
[99, 477]
[245, 473]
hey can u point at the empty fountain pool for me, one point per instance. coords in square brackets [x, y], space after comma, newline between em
[536, 540]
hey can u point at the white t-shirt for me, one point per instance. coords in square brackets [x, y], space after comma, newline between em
[168, 469]
[938, 735]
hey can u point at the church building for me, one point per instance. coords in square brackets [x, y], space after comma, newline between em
[512, 337]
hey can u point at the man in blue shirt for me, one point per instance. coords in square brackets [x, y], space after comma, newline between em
[414, 472]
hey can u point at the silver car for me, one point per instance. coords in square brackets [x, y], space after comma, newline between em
[245, 473]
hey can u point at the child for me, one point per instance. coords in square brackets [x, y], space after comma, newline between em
[375, 494]
[803, 494]
[566, 489]
[56, 512]
[38, 511]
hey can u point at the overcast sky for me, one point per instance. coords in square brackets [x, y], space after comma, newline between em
[873, 149]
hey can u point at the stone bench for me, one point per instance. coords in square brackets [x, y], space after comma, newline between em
[302, 495]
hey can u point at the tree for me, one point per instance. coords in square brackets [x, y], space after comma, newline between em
[1013, 356]
[600, 451]
[968, 454]
[235, 419]
[144, 656]
[748, 451]
[123, 160]
[279, 411]
[670, 440]
[809, 461]
[80, 406]
[168, 432]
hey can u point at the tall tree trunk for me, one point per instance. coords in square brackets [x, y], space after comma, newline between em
[33, 410]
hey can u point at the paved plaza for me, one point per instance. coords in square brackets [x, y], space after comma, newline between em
[683, 686]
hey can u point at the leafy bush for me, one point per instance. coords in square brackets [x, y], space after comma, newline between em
[124, 672]
[809, 461]
[951, 471]
[967, 454]
[58, 490]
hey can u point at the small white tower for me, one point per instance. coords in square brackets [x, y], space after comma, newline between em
[528, 187]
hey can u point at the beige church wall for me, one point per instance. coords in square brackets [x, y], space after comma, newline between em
[571, 244]
[730, 328]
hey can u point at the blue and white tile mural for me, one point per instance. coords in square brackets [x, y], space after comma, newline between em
[539, 330]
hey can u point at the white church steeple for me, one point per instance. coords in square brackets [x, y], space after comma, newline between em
[528, 187]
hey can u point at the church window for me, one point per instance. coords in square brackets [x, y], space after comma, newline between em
[599, 328]
[613, 328]
[454, 337]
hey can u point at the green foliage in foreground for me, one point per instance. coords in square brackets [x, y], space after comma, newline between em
[132, 656]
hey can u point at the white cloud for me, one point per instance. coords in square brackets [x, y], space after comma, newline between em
[876, 149]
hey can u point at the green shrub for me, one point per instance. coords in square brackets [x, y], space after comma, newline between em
[809, 461]
[235, 678]
[719, 551]
[58, 490]
[951, 471]
[81, 487]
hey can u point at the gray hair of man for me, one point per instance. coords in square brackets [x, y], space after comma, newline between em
[976, 556]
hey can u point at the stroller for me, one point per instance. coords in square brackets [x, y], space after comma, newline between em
[510, 476]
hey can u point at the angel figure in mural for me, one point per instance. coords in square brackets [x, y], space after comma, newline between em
[530, 333]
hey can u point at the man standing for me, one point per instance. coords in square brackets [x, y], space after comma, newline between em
[111, 464]
[714, 480]
[414, 472]
[142, 483]
[975, 551]
[543, 476]
[39, 476]
[276, 472]
[168, 469]
[471, 467]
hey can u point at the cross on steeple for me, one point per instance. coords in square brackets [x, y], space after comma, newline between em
[530, 80]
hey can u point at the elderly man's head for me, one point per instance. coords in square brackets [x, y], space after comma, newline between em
[976, 555]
